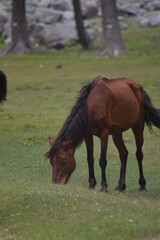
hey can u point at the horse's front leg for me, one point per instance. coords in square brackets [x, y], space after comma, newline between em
[123, 154]
[103, 160]
[138, 133]
[90, 159]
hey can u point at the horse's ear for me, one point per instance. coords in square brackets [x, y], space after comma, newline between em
[50, 140]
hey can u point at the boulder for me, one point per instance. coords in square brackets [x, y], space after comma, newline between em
[33, 2]
[90, 10]
[123, 25]
[58, 35]
[68, 15]
[3, 21]
[144, 22]
[45, 4]
[47, 15]
[153, 5]
[151, 20]
[62, 5]
[154, 21]
[128, 10]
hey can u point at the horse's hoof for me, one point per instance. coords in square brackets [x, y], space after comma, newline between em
[103, 189]
[120, 188]
[91, 187]
[92, 184]
[143, 188]
[117, 190]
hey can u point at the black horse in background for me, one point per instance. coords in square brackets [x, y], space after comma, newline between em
[3, 87]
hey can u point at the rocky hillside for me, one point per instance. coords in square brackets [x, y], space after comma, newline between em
[51, 22]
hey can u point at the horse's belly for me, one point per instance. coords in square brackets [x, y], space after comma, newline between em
[124, 118]
[117, 129]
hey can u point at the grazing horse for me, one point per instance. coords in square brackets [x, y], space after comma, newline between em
[3, 87]
[104, 107]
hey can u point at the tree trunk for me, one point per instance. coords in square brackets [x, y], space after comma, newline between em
[112, 39]
[84, 39]
[20, 42]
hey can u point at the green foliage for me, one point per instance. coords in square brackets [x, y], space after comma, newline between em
[42, 88]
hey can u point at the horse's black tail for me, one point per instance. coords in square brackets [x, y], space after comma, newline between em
[152, 115]
[3, 87]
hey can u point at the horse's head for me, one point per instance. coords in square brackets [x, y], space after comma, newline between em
[63, 162]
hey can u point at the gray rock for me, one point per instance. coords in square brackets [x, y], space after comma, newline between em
[128, 10]
[123, 25]
[90, 10]
[48, 15]
[56, 36]
[3, 21]
[62, 5]
[151, 20]
[68, 15]
[35, 29]
[45, 3]
[154, 21]
[33, 2]
[156, 4]
[144, 22]
[153, 5]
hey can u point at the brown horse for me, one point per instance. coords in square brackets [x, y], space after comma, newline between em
[104, 107]
[3, 87]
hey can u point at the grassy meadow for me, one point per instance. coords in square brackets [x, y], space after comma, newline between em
[40, 96]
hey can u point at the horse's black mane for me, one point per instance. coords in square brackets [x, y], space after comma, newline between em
[76, 124]
[3, 87]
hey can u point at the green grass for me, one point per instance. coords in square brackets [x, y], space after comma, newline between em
[39, 99]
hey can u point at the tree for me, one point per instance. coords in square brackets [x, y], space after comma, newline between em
[84, 39]
[112, 39]
[20, 42]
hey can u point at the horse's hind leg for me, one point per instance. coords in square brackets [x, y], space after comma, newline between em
[123, 154]
[103, 160]
[90, 159]
[138, 133]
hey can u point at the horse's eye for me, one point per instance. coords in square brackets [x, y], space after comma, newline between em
[63, 162]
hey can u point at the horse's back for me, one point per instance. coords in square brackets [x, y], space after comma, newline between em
[114, 103]
[116, 84]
